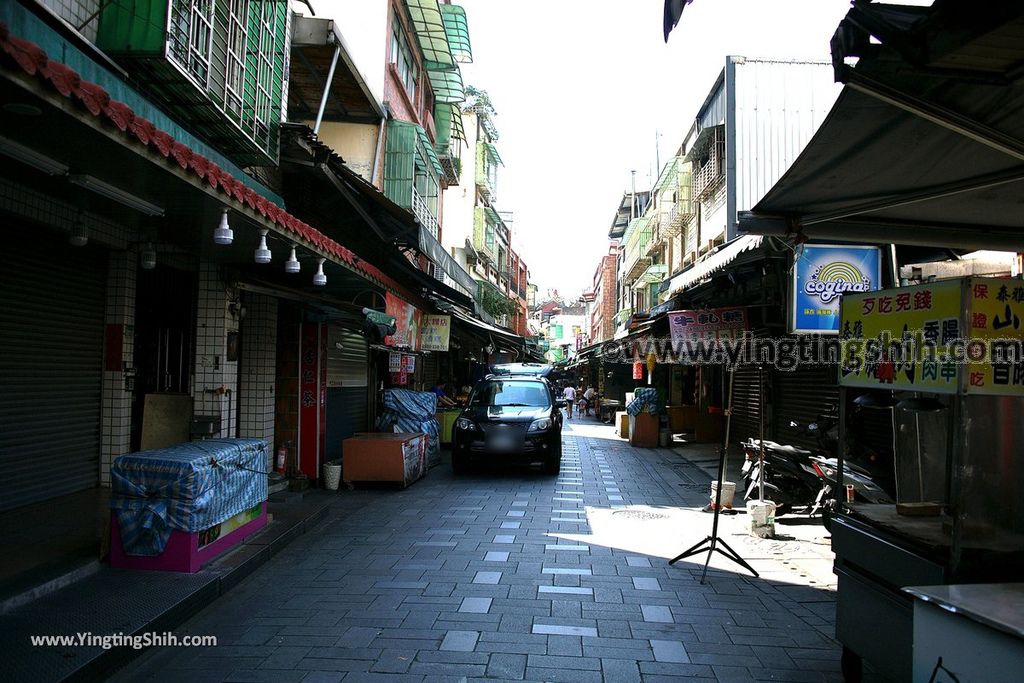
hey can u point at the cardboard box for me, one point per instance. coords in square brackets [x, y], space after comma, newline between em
[384, 456]
[622, 424]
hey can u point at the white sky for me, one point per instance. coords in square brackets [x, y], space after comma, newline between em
[582, 86]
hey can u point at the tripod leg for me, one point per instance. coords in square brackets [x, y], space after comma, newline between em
[693, 550]
[735, 557]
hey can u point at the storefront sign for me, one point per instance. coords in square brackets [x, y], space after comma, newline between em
[407, 323]
[435, 332]
[901, 338]
[995, 322]
[401, 365]
[713, 323]
[822, 274]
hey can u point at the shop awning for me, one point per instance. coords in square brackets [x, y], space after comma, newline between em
[457, 28]
[654, 274]
[481, 326]
[447, 85]
[925, 145]
[714, 262]
[428, 149]
[668, 176]
[492, 151]
[433, 250]
[430, 29]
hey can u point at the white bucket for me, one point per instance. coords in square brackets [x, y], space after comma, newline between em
[762, 518]
[332, 475]
[728, 491]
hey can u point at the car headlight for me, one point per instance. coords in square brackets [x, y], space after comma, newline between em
[464, 423]
[540, 425]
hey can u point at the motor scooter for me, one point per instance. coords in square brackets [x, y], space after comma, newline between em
[797, 477]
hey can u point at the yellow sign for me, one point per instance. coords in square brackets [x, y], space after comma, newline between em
[901, 338]
[996, 327]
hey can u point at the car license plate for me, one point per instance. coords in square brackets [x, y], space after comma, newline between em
[503, 442]
[746, 466]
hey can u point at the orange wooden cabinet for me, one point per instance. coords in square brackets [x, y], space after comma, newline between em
[643, 430]
[384, 456]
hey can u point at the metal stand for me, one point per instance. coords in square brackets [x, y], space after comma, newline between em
[711, 543]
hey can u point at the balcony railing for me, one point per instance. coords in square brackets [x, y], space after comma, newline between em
[711, 172]
[636, 259]
[684, 207]
[423, 214]
[622, 316]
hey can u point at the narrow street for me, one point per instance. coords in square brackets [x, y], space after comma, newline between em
[516, 575]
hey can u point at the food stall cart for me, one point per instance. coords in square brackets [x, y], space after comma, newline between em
[944, 358]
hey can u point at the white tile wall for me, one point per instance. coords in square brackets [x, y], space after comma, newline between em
[216, 379]
[116, 411]
[258, 370]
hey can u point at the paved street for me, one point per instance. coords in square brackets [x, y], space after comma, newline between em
[518, 576]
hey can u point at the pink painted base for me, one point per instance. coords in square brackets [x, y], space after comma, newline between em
[182, 552]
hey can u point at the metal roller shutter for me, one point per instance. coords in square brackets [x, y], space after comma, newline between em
[347, 397]
[801, 396]
[746, 404]
[51, 354]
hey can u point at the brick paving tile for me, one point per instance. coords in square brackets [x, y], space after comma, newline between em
[510, 575]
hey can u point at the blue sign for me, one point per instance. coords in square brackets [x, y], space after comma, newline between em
[822, 274]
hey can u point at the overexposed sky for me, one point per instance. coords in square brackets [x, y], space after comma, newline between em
[582, 87]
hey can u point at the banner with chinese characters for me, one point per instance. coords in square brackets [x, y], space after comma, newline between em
[407, 322]
[401, 365]
[995, 312]
[901, 338]
[822, 273]
[434, 333]
[713, 323]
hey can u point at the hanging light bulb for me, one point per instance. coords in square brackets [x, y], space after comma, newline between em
[223, 234]
[319, 279]
[263, 252]
[148, 257]
[79, 233]
[292, 265]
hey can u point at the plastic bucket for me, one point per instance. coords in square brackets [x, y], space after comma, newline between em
[728, 491]
[762, 518]
[332, 475]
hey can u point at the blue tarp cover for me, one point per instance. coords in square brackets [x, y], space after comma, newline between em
[413, 412]
[189, 487]
[645, 400]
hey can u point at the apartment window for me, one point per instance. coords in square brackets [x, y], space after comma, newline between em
[401, 57]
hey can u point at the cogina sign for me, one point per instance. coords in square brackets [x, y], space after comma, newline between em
[822, 274]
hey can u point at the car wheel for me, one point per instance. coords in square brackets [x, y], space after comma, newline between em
[460, 464]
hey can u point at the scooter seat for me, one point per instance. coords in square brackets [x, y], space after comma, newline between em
[788, 450]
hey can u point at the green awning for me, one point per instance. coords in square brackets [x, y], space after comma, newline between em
[652, 276]
[457, 28]
[493, 152]
[493, 215]
[447, 86]
[458, 130]
[431, 32]
[429, 151]
[668, 175]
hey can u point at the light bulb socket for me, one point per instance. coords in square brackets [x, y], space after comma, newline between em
[292, 265]
[319, 278]
[262, 254]
[223, 235]
[79, 236]
[147, 259]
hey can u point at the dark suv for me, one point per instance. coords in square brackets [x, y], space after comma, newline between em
[509, 419]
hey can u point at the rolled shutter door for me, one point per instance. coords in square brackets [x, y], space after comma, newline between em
[801, 396]
[746, 405]
[51, 354]
[347, 397]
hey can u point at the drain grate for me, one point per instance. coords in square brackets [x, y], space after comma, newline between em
[639, 514]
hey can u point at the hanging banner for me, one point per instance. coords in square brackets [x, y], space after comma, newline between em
[822, 273]
[995, 324]
[407, 322]
[903, 338]
[435, 332]
[713, 323]
[312, 407]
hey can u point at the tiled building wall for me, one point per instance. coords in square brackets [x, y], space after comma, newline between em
[119, 320]
[82, 14]
[216, 378]
[258, 370]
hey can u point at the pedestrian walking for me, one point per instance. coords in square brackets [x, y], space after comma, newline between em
[569, 394]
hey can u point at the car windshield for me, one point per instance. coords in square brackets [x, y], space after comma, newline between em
[498, 393]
